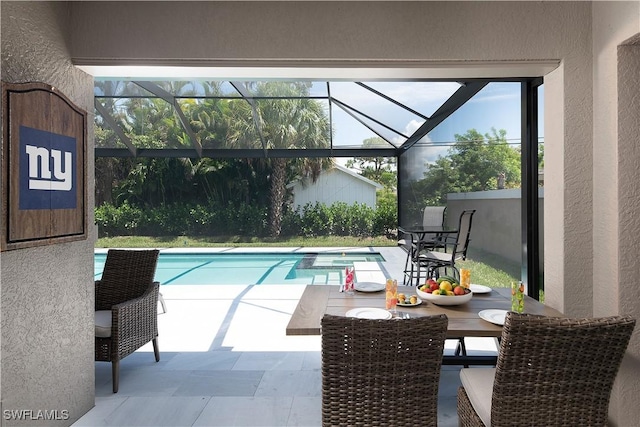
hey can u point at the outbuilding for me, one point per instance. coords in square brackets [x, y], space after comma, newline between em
[338, 184]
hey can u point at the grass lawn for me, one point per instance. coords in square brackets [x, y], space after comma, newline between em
[237, 241]
[486, 269]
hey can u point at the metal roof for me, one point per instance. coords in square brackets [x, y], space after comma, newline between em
[399, 113]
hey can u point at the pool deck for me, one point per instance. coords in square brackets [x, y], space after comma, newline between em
[226, 361]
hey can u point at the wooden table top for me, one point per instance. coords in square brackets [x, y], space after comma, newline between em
[463, 319]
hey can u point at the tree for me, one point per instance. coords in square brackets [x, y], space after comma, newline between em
[278, 116]
[150, 123]
[282, 122]
[473, 163]
[379, 169]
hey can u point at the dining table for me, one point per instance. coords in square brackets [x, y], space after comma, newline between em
[464, 320]
[419, 232]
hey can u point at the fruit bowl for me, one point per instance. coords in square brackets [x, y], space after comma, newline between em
[445, 299]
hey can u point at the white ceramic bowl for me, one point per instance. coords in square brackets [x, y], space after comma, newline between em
[445, 299]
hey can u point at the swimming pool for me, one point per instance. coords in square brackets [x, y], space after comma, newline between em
[251, 268]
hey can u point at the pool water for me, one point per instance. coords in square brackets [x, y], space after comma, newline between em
[251, 268]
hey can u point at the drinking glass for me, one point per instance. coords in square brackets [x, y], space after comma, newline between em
[517, 297]
[349, 285]
[465, 278]
[391, 295]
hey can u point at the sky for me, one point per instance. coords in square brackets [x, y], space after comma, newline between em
[496, 106]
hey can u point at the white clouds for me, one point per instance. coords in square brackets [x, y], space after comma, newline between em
[412, 126]
[497, 92]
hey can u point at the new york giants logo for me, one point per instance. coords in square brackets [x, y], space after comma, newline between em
[47, 170]
[40, 160]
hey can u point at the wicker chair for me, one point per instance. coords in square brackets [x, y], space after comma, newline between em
[381, 372]
[126, 306]
[551, 371]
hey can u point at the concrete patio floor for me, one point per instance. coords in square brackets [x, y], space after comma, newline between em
[226, 361]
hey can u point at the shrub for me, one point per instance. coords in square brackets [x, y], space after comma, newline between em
[385, 222]
[312, 220]
[118, 221]
[316, 220]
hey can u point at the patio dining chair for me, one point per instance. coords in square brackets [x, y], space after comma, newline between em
[431, 216]
[551, 371]
[126, 304]
[381, 372]
[455, 249]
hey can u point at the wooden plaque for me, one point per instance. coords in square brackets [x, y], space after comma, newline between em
[43, 167]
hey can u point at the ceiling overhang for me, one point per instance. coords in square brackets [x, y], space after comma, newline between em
[319, 70]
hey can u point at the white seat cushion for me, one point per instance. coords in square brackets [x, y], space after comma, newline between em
[438, 256]
[478, 383]
[103, 323]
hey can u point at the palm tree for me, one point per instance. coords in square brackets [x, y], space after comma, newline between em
[276, 116]
[282, 119]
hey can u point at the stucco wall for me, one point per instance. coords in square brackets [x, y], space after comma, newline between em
[497, 223]
[628, 234]
[617, 184]
[47, 296]
[231, 31]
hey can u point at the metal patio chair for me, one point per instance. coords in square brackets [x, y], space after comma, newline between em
[431, 216]
[455, 249]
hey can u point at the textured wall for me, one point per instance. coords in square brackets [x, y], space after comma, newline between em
[47, 292]
[612, 174]
[616, 188]
[628, 235]
[202, 31]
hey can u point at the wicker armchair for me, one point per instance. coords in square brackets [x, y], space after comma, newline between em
[381, 372]
[551, 371]
[126, 306]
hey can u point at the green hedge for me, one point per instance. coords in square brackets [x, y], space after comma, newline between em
[312, 220]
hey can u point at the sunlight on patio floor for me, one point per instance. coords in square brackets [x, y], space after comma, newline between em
[233, 317]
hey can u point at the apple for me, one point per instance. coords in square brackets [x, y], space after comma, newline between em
[459, 290]
[433, 286]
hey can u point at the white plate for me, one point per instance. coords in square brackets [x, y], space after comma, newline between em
[369, 313]
[479, 289]
[493, 316]
[369, 286]
[408, 304]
